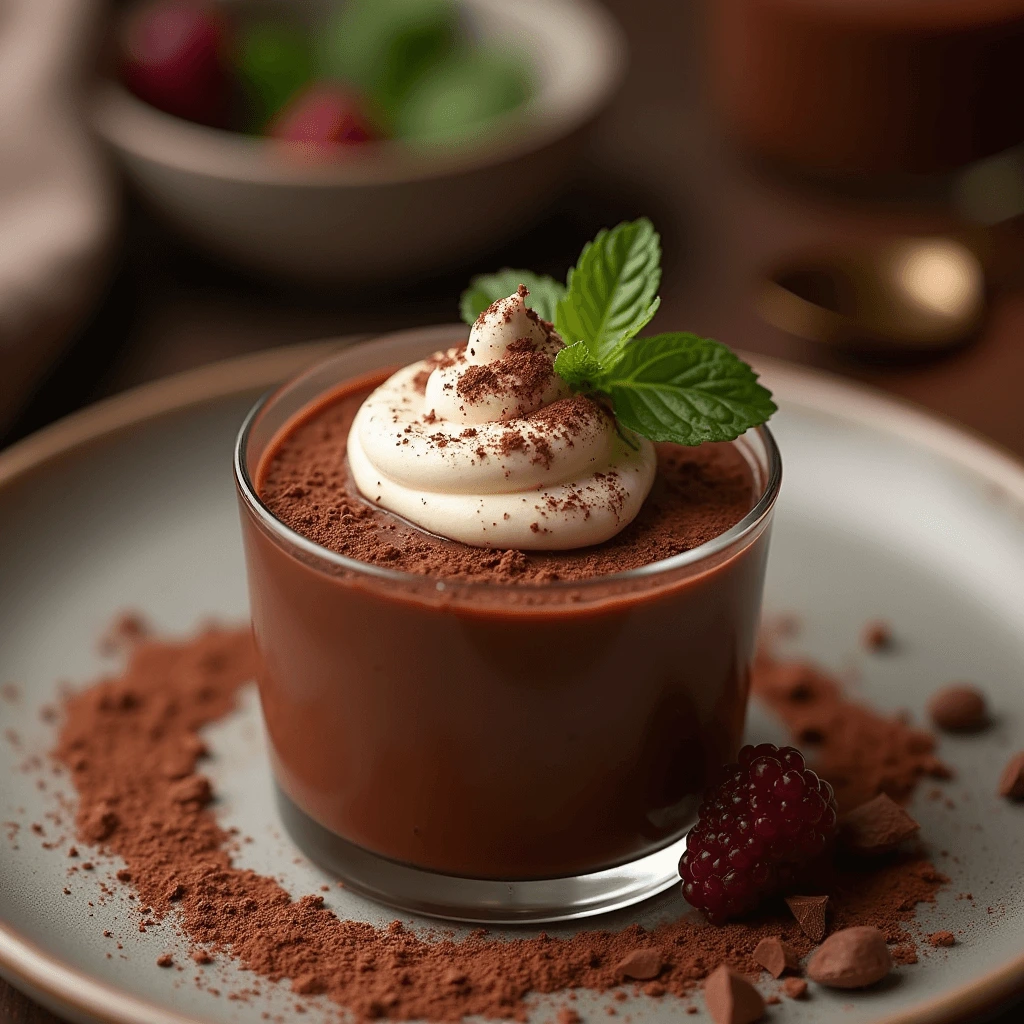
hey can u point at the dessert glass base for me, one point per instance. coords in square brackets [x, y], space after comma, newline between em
[480, 900]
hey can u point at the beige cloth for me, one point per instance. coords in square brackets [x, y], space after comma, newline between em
[57, 198]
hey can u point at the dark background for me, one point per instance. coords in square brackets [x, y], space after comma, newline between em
[659, 152]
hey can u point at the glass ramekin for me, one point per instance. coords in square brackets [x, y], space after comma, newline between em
[495, 752]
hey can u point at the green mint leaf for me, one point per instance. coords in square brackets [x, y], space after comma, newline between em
[575, 365]
[686, 389]
[612, 291]
[484, 289]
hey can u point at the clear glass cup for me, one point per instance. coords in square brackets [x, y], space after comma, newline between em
[495, 752]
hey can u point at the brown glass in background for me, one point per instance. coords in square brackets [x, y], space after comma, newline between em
[877, 87]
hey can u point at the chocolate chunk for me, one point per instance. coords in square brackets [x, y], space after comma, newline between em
[942, 939]
[194, 789]
[809, 912]
[776, 956]
[1011, 782]
[959, 708]
[731, 999]
[851, 958]
[877, 636]
[640, 965]
[795, 988]
[876, 827]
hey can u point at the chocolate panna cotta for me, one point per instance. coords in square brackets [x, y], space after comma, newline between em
[481, 661]
[517, 707]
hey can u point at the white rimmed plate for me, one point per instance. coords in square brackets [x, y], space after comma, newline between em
[886, 512]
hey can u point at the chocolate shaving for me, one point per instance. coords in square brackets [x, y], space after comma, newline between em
[809, 912]
[776, 956]
[640, 964]
[731, 999]
[878, 826]
[1011, 782]
[795, 988]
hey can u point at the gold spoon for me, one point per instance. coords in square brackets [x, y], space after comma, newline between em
[902, 295]
[912, 295]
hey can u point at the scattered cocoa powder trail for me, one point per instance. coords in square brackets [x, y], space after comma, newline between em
[131, 742]
[859, 750]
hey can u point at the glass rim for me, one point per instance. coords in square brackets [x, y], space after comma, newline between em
[684, 559]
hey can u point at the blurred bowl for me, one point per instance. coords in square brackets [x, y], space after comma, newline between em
[385, 209]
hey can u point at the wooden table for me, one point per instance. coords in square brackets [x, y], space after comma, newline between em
[658, 153]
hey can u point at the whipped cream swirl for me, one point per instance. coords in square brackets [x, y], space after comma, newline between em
[485, 444]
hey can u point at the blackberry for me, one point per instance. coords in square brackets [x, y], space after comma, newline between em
[767, 817]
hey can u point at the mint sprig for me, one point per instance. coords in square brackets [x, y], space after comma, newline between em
[686, 389]
[578, 367]
[545, 292]
[612, 292]
[670, 387]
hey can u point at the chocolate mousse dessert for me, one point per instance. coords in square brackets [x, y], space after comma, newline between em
[505, 596]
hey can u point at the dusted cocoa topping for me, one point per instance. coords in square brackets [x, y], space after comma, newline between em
[120, 732]
[440, 360]
[699, 493]
[943, 938]
[524, 372]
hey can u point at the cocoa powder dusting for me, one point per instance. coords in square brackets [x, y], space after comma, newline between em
[698, 494]
[523, 372]
[120, 733]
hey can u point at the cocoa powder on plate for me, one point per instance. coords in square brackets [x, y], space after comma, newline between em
[132, 746]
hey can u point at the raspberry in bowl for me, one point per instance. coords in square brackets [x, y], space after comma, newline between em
[504, 638]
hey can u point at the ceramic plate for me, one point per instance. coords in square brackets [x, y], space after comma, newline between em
[885, 512]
